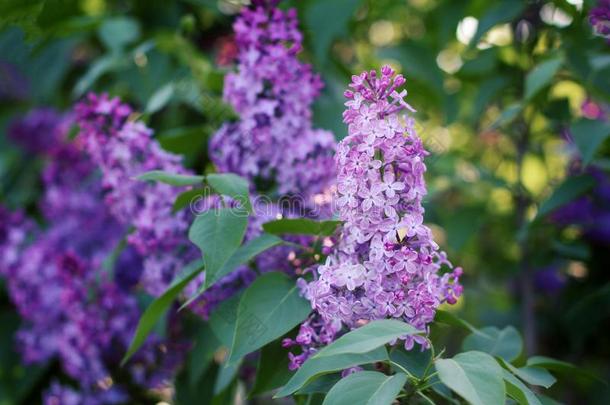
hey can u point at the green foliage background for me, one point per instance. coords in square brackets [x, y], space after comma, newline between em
[491, 111]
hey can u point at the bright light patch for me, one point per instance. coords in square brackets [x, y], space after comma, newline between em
[466, 29]
[576, 3]
[382, 33]
[500, 35]
[449, 61]
[554, 16]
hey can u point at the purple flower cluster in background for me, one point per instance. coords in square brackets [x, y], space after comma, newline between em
[590, 212]
[273, 144]
[123, 149]
[272, 91]
[77, 305]
[599, 17]
[385, 264]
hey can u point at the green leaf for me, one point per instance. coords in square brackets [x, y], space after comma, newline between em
[572, 188]
[415, 361]
[231, 185]
[187, 197]
[508, 115]
[505, 343]
[449, 318]
[531, 375]
[541, 76]
[367, 388]
[272, 371]
[159, 306]
[320, 385]
[519, 391]
[202, 354]
[316, 366]
[160, 98]
[218, 233]
[226, 375]
[101, 66]
[500, 13]
[173, 179]
[561, 367]
[269, 308]
[328, 20]
[118, 32]
[368, 337]
[244, 254]
[223, 318]
[475, 376]
[301, 226]
[588, 136]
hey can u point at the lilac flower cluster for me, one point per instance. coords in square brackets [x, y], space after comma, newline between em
[273, 142]
[123, 149]
[599, 18]
[385, 264]
[590, 212]
[26, 132]
[76, 306]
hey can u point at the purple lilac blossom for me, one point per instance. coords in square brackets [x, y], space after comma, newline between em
[386, 264]
[590, 212]
[599, 18]
[73, 305]
[14, 86]
[40, 131]
[273, 144]
[272, 91]
[549, 279]
[123, 149]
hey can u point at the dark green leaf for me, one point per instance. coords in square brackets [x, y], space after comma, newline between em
[188, 197]
[301, 226]
[223, 318]
[560, 366]
[244, 254]
[367, 388]
[541, 76]
[202, 354]
[320, 385]
[268, 309]
[449, 318]
[226, 375]
[368, 337]
[315, 366]
[505, 343]
[572, 188]
[518, 391]
[415, 361]
[118, 32]
[499, 13]
[475, 376]
[508, 115]
[328, 20]
[160, 305]
[272, 371]
[588, 136]
[218, 234]
[173, 179]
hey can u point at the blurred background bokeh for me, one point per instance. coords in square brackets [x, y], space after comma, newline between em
[512, 102]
